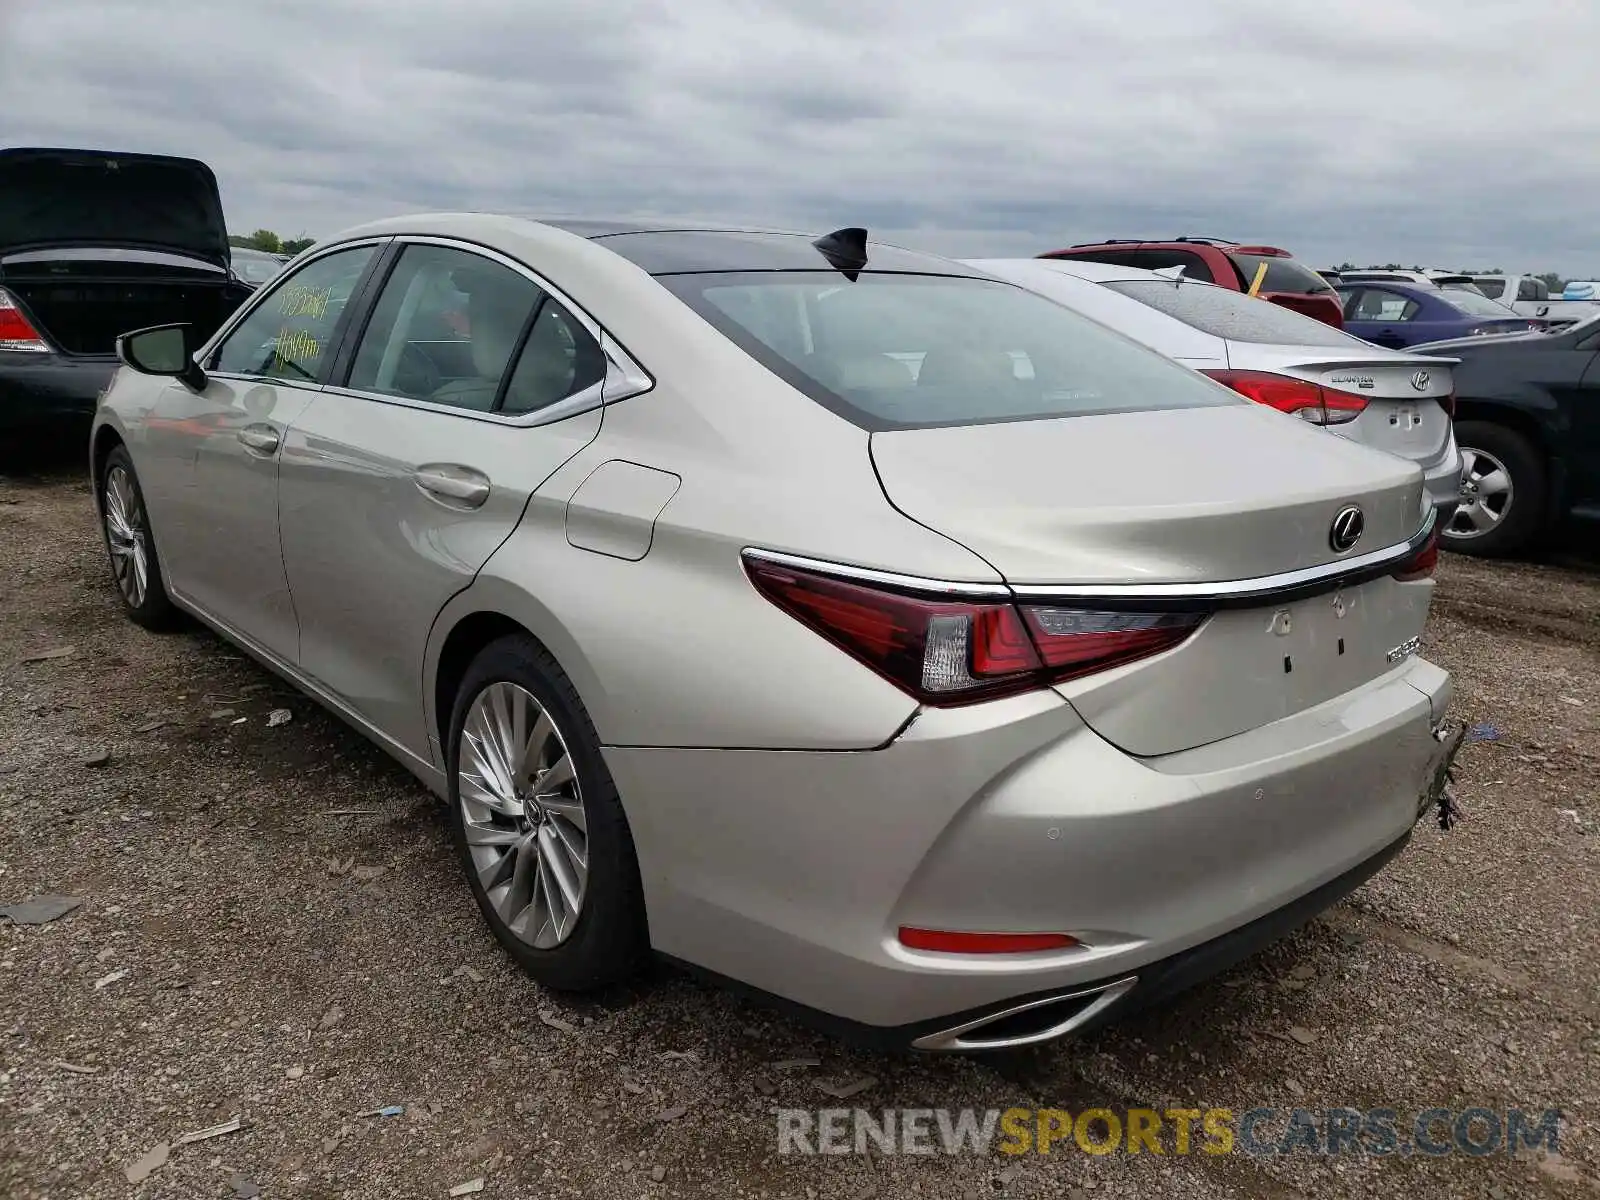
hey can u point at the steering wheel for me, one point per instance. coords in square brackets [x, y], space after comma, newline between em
[415, 373]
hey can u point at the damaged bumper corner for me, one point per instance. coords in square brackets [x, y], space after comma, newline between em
[1439, 794]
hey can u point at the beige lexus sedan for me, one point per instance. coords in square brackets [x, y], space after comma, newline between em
[840, 621]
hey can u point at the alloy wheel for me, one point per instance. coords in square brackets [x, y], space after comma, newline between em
[522, 813]
[1487, 493]
[126, 536]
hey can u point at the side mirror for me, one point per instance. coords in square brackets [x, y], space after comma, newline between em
[163, 350]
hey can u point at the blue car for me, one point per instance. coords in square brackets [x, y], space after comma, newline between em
[1407, 314]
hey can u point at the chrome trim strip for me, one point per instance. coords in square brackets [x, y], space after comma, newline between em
[1260, 587]
[1225, 593]
[591, 397]
[625, 376]
[956, 1039]
[909, 583]
[269, 289]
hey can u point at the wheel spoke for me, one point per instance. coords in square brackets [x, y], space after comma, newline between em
[568, 811]
[522, 814]
[1495, 483]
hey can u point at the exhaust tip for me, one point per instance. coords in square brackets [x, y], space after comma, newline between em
[1028, 1024]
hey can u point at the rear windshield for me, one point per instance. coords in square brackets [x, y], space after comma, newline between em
[913, 351]
[1475, 305]
[1492, 288]
[1233, 315]
[1283, 275]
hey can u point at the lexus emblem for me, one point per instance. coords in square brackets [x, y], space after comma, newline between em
[1347, 529]
[1420, 381]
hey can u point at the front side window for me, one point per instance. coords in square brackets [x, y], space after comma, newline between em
[894, 351]
[290, 334]
[1233, 315]
[1160, 260]
[1532, 289]
[444, 328]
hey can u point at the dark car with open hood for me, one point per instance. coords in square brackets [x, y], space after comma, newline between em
[94, 244]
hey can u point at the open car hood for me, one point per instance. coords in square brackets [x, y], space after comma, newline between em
[104, 198]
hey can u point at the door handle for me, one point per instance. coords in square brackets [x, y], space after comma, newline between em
[260, 439]
[453, 486]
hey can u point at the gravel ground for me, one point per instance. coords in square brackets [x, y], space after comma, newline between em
[273, 928]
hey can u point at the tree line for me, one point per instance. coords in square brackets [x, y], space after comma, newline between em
[271, 243]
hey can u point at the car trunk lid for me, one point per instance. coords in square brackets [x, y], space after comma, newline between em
[1405, 394]
[1167, 503]
[57, 197]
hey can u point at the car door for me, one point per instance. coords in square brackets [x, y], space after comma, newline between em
[469, 385]
[1381, 316]
[215, 453]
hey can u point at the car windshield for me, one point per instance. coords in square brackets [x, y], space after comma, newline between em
[1233, 315]
[1475, 305]
[892, 351]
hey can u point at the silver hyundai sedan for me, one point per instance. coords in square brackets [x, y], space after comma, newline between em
[837, 620]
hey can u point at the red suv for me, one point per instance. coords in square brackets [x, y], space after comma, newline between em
[1270, 273]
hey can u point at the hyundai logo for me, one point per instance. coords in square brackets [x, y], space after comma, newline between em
[1420, 381]
[1347, 529]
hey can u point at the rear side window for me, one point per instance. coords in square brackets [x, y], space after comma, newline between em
[1160, 260]
[1233, 315]
[914, 351]
[1379, 304]
[1475, 305]
[1283, 275]
[1531, 289]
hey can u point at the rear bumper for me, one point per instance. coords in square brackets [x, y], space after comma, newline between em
[790, 872]
[44, 390]
[1442, 482]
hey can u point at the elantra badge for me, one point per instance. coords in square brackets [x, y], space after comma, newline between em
[1347, 529]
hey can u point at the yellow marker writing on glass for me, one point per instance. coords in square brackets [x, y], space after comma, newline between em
[1255, 284]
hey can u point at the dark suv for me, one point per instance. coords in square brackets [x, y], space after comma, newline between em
[1228, 264]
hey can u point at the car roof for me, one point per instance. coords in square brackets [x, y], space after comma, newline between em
[681, 249]
[665, 246]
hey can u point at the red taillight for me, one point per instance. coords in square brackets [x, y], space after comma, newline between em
[15, 331]
[1319, 405]
[951, 942]
[948, 652]
[1421, 565]
[1448, 403]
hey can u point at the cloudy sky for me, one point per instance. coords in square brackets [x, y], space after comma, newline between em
[1462, 133]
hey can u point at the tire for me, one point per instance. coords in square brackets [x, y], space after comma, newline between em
[131, 546]
[522, 880]
[1489, 453]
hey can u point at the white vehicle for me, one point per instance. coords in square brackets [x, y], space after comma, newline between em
[1529, 296]
[1437, 279]
[1393, 401]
